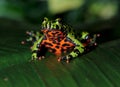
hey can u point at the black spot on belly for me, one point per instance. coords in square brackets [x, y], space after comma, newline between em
[53, 34]
[48, 44]
[49, 35]
[57, 46]
[65, 45]
[58, 43]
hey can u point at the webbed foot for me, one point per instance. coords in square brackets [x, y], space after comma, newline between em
[35, 56]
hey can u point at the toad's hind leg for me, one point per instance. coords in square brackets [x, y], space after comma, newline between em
[79, 49]
[75, 53]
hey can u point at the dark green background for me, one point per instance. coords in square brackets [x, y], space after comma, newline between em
[98, 68]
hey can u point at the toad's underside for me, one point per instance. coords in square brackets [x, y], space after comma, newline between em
[59, 39]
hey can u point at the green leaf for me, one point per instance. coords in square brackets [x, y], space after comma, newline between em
[11, 10]
[99, 68]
